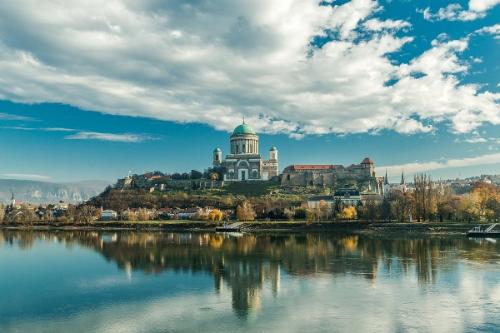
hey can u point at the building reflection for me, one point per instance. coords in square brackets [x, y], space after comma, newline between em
[246, 264]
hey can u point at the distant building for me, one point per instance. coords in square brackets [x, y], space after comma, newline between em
[244, 162]
[315, 201]
[14, 203]
[331, 175]
[348, 196]
[343, 196]
[109, 215]
[373, 197]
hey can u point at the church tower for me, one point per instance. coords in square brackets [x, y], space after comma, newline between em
[387, 186]
[217, 160]
[270, 167]
[273, 153]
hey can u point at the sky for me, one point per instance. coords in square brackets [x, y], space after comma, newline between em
[93, 90]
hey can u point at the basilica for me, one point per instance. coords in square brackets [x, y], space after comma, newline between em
[244, 162]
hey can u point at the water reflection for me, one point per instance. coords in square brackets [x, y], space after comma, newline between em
[246, 264]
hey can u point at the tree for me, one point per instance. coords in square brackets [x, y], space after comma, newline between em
[2, 213]
[215, 215]
[487, 197]
[214, 176]
[424, 197]
[312, 214]
[196, 174]
[22, 215]
[300, 213]
[324, 210]
[348, 213]
[402, 205]
[143, 214]
[370, 210]
[245, 212]
[129, 215]
[385, 209]
[469, 208]
[289, 213]
[86, 214]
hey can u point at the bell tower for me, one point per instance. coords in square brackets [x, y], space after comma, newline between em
[217, 160]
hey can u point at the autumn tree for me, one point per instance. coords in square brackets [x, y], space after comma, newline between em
[215, 215]
[370, 210]
[128, 215]
[324, 210]
[23, 215]
[385, 209]
[86, 214]
[487, 198]
[348, 213]
[402, 205]
[424, 196]
[143, 214]
[245, 212]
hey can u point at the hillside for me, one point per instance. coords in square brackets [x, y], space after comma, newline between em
[47, 192]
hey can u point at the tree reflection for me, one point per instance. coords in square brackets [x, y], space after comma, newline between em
[247, 263]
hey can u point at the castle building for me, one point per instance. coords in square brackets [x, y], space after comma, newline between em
[331, 175]
[244, 162]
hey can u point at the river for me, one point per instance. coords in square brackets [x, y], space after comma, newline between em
[87, 281]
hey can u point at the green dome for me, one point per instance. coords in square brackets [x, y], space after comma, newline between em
[243, 129]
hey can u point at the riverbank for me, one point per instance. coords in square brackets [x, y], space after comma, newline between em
[257, 226]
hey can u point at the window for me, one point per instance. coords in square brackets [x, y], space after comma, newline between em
[255, 174]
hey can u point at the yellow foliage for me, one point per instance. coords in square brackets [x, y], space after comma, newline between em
[215, 215]
[245, 212]
[348, 213]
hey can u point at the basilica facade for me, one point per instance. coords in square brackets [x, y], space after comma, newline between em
[244, 162]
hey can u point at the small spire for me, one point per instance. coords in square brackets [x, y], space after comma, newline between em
[402, 177]
[243, 120]
[386, 180]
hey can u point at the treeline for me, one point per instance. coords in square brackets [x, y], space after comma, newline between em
[211, 173]
[26, 214]
[428, 201]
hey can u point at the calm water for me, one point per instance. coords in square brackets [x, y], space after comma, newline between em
[174, 282]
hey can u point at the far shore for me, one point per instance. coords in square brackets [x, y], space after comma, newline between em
[258, 226]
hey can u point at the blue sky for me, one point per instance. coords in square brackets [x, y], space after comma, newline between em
[90, 91]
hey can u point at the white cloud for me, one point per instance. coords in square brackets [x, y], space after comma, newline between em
[44, 129]
[24, 176]
[378, 25]
[215, 61]
[455, 12]
[108, 137]
[411, 168]
[476, 139]
[8, 116]
[490, 30]
[88, 135]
